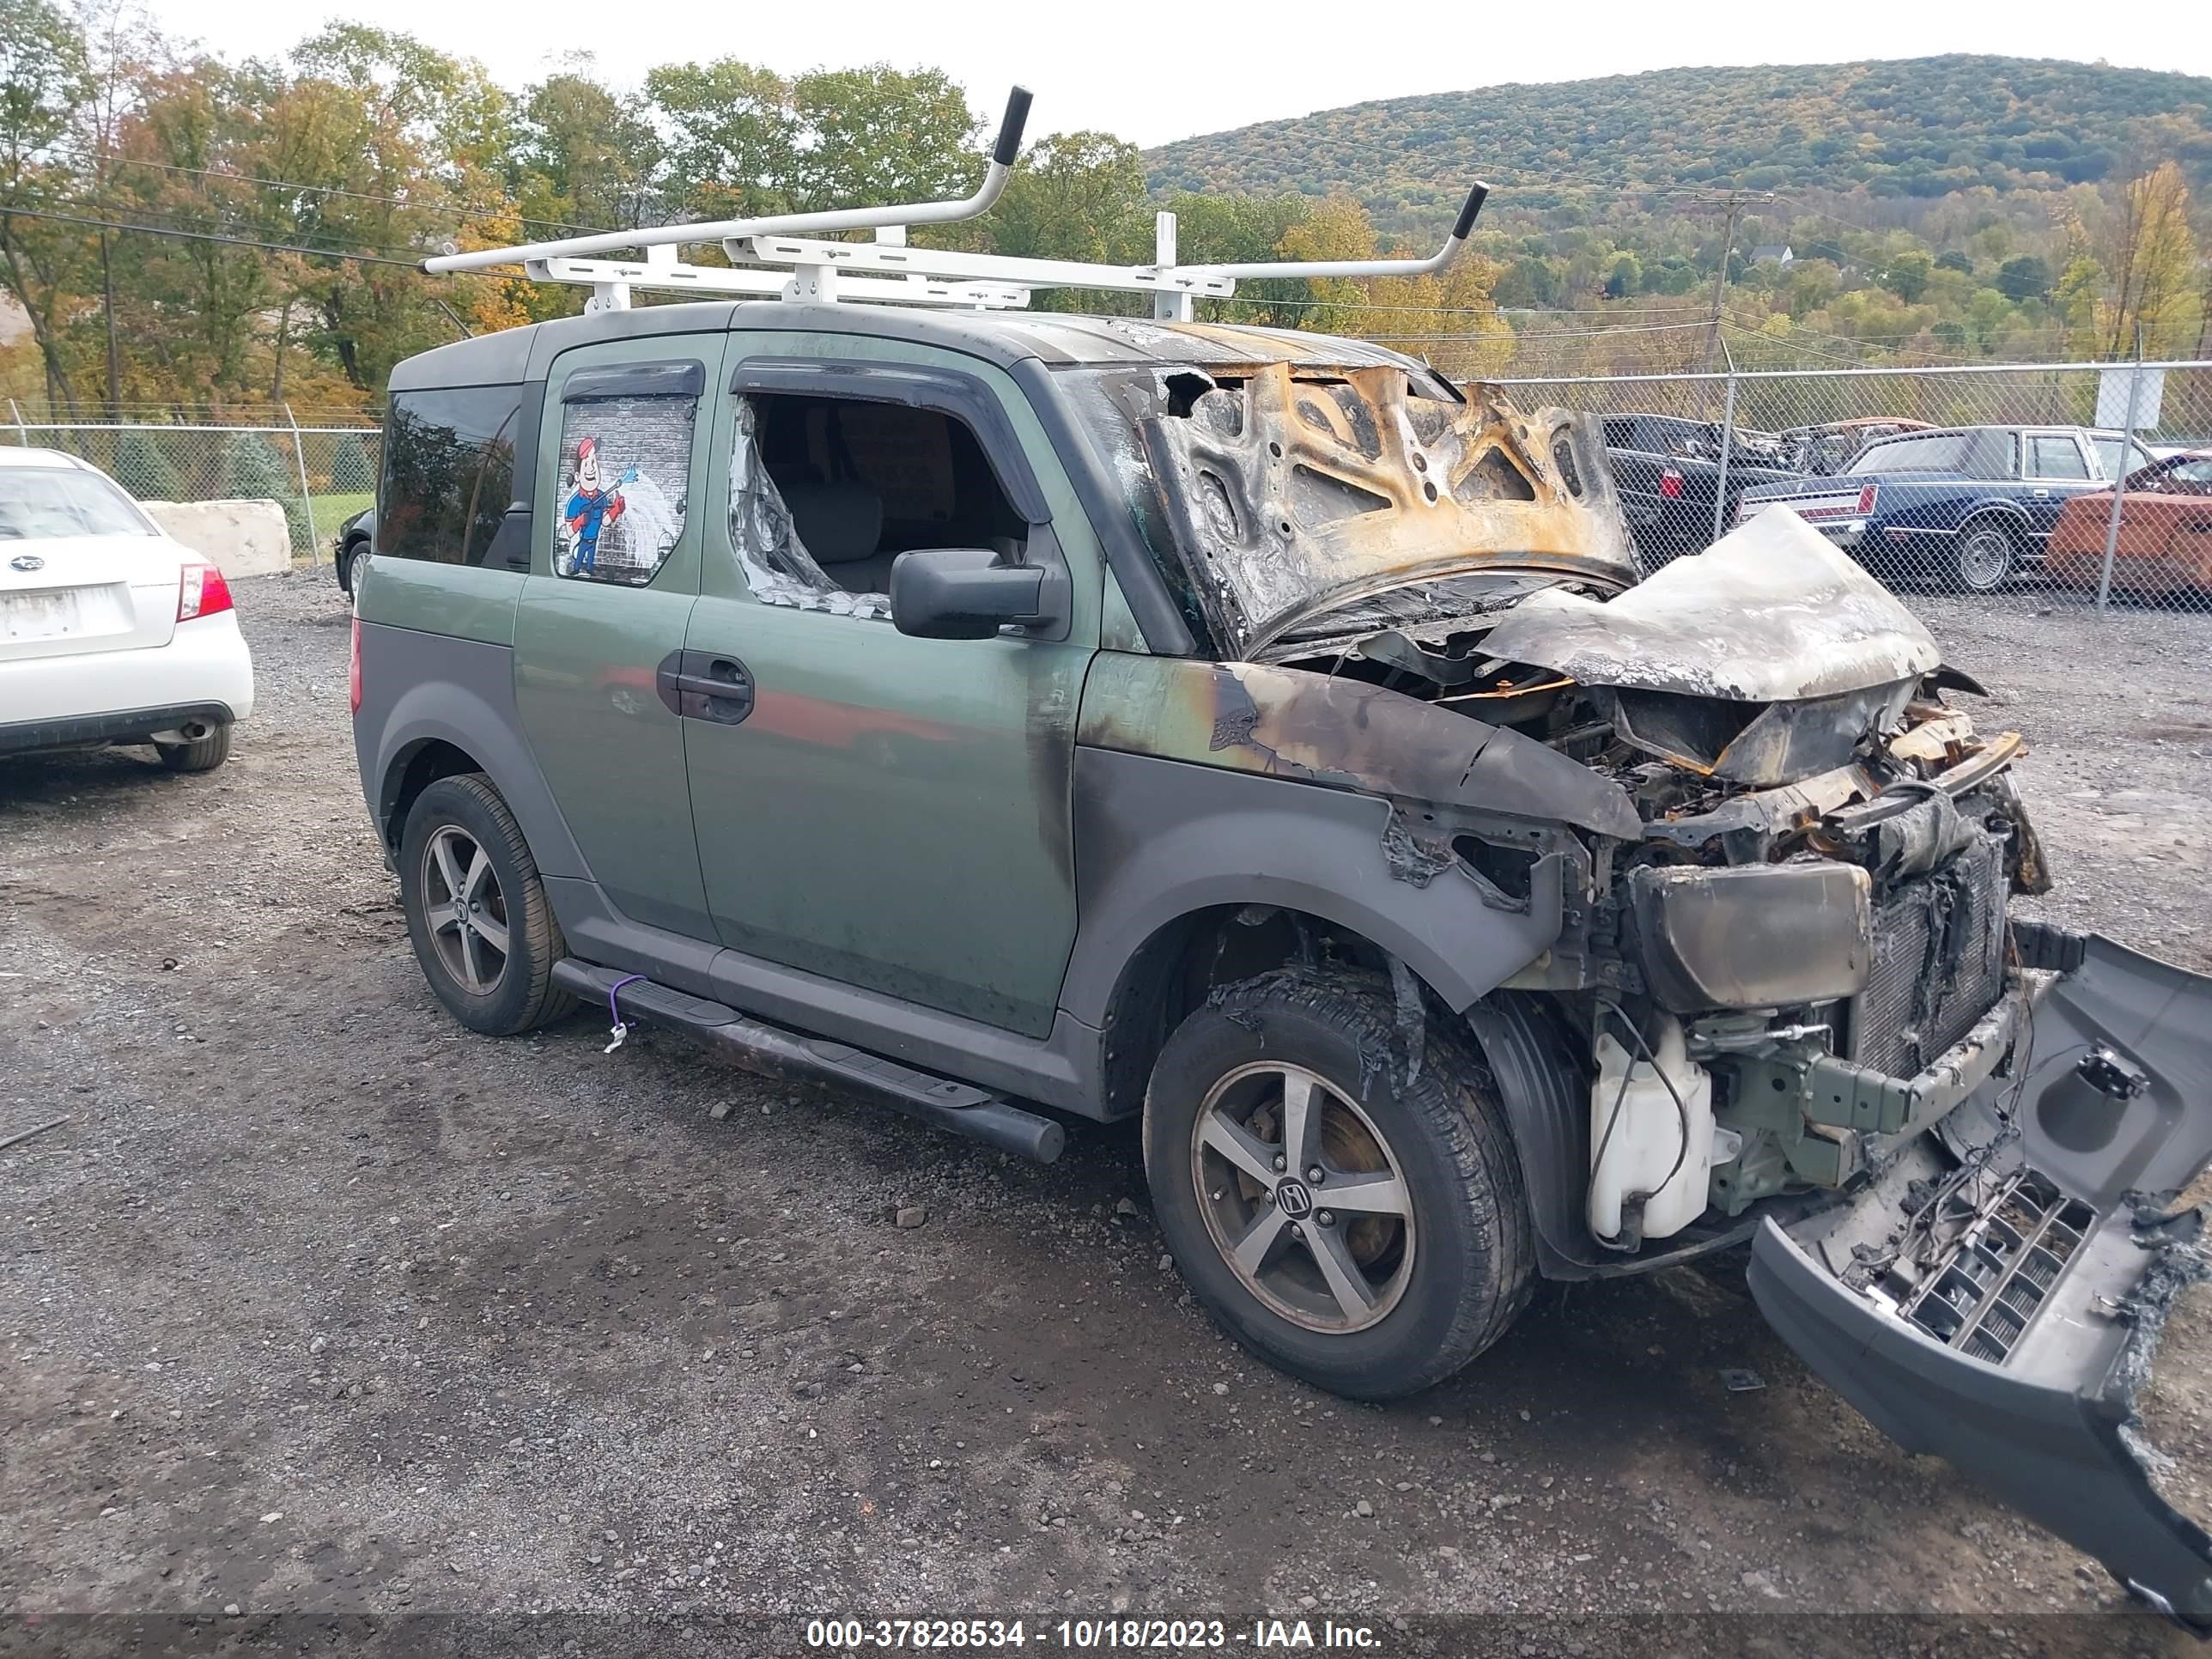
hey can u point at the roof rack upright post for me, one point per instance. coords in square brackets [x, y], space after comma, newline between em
[1169, 305]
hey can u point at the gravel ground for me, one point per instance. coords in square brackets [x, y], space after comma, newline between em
[318, 1303]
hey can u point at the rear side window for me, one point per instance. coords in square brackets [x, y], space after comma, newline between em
[625, 480]
[1941, 451]
[448, 472]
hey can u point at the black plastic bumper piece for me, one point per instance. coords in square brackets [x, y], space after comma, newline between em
[2016, 1349]
[123, 725]
[773, 1051]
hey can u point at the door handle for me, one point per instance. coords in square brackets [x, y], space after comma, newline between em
[705, 685]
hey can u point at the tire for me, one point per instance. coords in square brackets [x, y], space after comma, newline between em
[1983, 556]
[203, 755]
[494, 970]
[1438, 1280]
[351, 566]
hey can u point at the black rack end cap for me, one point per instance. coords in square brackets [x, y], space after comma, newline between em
[1010, 130]
[1475, 198]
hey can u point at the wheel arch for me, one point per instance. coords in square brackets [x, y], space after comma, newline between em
[433, 706]
[1191, 877]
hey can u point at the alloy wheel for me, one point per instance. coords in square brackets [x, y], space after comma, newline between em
[1304, 1197]
[465, 908]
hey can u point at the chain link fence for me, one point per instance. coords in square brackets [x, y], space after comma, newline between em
[321, 475]
[2002, 479]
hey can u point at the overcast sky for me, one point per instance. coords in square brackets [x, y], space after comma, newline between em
[1167, 71]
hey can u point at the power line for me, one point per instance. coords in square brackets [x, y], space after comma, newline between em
[231, 241]
[170, 217]
[328, 190]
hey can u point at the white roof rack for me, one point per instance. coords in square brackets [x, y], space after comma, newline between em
[786, 256]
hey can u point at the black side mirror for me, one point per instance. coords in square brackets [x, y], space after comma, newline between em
[963, 593]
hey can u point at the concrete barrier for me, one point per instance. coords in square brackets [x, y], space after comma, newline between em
[242, 537]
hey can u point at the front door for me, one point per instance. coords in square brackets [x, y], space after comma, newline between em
[623, 449]
[889, 812]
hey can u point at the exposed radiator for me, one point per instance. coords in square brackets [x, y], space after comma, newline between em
[1939, 962]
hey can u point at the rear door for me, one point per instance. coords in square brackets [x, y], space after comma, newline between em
[622, 452]
[81, 569]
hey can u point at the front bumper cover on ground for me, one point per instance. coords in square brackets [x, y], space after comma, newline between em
[2061, 1265]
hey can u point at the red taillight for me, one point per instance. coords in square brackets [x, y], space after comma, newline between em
[1670, 484]
[1866, 501]
[201, 592]
[353, 669]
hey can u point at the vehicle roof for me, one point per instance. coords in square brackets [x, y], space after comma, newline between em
[1056, 338]
[12, 457]
[2004, 426]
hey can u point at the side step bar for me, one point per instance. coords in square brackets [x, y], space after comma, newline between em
[772, 1051]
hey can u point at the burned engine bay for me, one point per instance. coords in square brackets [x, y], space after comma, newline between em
[1816, 910]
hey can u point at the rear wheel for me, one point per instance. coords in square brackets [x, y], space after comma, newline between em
[476, 912]
[349, 572]
[200, 755]
[1347, 1206]
[1983, 556]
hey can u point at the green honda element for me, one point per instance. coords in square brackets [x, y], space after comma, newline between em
[1031, 722]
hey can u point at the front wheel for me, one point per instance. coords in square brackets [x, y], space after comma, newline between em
[476, 912]
[1336, 1183]
[1983, 557]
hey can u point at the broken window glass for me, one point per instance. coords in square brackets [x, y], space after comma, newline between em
[772, 554]
[625, 477]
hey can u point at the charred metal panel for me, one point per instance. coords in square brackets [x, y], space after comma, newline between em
[1295, 495]
[1157, 841]
[1290, 723]
[1770, 613]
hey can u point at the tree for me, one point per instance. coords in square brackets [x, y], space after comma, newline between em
[879, 134]
[44, 86]
[1075, 196]
[351, 472]
[1953, 259]
[2027, 278]
[142, 467]
[596, 155]
[1624, 275]
[2150, 256]
[729, 137]
[1907, 275]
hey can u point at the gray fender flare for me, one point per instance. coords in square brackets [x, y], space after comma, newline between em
[461, 692]
[1157, 840]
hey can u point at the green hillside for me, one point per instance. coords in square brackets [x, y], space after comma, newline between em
[1920, 128]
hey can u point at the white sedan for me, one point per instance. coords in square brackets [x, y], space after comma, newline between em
[110, 631]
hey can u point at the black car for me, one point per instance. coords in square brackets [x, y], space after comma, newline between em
[1667, 471]
[355, 537]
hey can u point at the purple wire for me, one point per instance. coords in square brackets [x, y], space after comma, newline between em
[614, 1013]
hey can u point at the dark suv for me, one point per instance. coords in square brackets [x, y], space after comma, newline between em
[1019, 720]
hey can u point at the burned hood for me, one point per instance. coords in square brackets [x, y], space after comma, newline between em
[1294, 491]
[1770, 613]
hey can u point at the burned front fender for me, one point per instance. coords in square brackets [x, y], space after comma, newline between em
[1996, 1296]
[1311, 727]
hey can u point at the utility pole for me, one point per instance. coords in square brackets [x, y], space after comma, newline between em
[1720, 277]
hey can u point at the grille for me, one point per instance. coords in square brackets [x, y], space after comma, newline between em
[1939, 954]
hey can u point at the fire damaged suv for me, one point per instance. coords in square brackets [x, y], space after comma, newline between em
[1014, 719]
